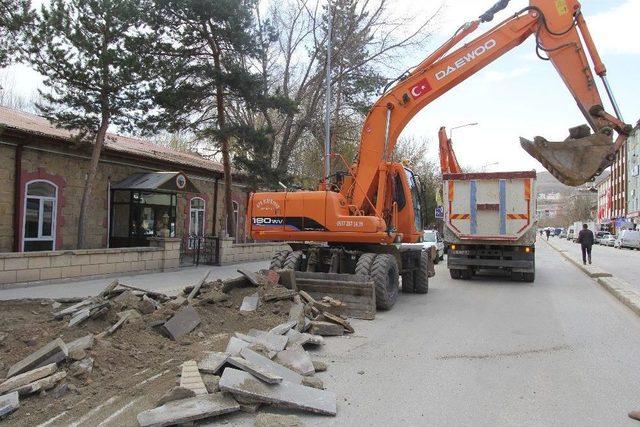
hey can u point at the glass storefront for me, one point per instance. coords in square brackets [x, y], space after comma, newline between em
[137, 215]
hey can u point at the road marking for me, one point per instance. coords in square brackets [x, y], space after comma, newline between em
[51, 420]
[118, 412]
[92, 412]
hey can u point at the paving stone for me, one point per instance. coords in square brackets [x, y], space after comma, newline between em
[176, 393]
[314, 382]
[319, 365]
[54, 352]
[9, 403]
[250, 302]
[187, 410]
[235, 345]
[296, 312]
[191, 379]
[326, 328]
[82, 343]
[285, 394]
[82, 368]
[42, 384]
[213, 361]
[184, 321]
[297, 360]
[271, 341]
[27, 377]
[255, 370]
[271, 366]
[283, 328]
[302, 338]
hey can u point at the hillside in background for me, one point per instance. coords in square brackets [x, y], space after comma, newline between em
[547, 183]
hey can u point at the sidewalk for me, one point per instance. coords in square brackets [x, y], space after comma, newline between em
[170, 283]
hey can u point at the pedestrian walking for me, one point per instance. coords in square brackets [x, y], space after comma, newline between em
[547, 232]
[586, 239]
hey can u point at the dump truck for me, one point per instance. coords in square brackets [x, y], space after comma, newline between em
[490, 223]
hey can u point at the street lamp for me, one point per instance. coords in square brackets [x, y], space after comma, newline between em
[458, 127]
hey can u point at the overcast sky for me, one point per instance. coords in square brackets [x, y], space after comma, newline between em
[518, 95]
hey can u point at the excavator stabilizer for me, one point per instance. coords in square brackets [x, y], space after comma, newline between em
[575, 160]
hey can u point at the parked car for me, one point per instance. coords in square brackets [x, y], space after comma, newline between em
[628, 239]
[563, 234]
[433, 238]
[571, 233]
[599, 236]
[608, 240]
[558, 231]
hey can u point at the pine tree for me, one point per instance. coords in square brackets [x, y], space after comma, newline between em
[202, 61]
[89, 52]
[15, 15]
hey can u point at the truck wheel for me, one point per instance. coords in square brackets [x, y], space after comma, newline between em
[421, 275]
[293, 261]
[529, 277]
[383, 270]
[455, 274]
[465, 274]
[517, 276]
[407, 283]
[277, 262]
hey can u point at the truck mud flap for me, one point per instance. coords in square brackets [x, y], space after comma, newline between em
[357, 292]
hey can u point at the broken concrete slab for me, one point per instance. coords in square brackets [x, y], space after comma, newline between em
[296, 312]
[27, 377]
[82, 343]
[43, 384]
[266, 419]
[80, 316]
[197, 287]
[271, 366]
[251, 277]
[270, 341]
[326, 329]
[319, 365]
[54, 352]
[213, 361]
[302, 338]
[184, 321]
[285, 394]
[283, 328]
[276, 293]
[255, 370]
[297, 360]
[250, 303]
[191, 379]
[9, 403]
[187, 410]
[82, 368]
[287, 279]
[339, 321]
[176, 393]
[235, 345]
[107, 290]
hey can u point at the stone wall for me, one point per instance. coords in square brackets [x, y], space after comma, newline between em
[7, 159]
[50, 266]
[231, 253]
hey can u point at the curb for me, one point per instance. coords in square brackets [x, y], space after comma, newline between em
[620, 289]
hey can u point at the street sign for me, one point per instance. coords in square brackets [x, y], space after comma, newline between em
[439, 212]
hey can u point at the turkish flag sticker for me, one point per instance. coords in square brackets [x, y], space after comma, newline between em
[420, 89]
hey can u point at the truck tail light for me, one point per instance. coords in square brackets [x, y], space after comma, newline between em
[454, 247]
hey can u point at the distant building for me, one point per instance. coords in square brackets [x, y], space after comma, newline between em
[604, 213]
[633, 176]
[549, 196]
[619, 185]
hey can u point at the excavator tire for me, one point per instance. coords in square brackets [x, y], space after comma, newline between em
[421, 276]
[277, 262]
[293, 261]
[383, 270]
[407, 283]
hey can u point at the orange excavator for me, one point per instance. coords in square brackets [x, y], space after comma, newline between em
[368, 222]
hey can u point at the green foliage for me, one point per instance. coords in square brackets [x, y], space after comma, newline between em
[89, 54]
[15, 17]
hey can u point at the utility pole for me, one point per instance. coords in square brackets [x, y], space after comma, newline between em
[327, 108]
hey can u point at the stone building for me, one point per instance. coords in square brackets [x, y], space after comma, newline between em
[142, 190]
[633, 176]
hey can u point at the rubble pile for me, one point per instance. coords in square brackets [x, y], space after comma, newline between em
[213, 332]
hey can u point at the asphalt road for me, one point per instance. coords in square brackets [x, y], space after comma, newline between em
[622, 263]
[490, 352]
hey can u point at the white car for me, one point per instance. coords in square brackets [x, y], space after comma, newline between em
[628, 239]
[608, 240]
[433, 238]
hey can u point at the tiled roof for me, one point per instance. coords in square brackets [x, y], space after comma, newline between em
[36, 125]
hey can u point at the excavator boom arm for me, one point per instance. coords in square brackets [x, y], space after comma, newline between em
[555, 25]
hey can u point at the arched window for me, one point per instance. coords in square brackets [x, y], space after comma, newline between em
[196, 217]
[39, 220]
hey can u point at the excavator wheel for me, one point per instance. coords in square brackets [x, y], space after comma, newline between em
[407, 283]
[293, 261]
[421, 276]
[383, 270]
[277, 262]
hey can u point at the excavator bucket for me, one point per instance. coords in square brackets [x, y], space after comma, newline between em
[576, 160]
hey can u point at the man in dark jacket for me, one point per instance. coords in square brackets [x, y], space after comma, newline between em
[586, 239]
